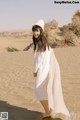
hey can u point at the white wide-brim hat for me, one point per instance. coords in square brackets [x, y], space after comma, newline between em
[40, 23]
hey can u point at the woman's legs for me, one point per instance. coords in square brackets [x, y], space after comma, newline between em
[45, 106]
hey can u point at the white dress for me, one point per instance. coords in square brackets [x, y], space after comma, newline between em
[48, 81]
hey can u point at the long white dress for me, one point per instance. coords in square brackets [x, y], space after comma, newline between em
[48, 81]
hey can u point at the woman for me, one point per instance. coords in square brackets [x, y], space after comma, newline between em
[48, 88]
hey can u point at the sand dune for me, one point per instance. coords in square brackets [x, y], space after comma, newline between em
[17, 82]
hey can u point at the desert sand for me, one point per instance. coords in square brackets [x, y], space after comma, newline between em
[17, 81]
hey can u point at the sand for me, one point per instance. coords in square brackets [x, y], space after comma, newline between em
[17, 81]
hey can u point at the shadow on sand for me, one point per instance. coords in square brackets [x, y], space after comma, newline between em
[18, 113]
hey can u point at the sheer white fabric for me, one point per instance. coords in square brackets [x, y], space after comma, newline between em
[48, 81]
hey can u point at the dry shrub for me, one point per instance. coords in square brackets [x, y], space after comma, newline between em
[11, 49]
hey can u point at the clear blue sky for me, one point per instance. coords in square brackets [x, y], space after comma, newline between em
[22, 14]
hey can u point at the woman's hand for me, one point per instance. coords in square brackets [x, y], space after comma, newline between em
[35, 74]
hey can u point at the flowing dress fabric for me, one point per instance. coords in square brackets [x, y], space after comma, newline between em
[48, 81]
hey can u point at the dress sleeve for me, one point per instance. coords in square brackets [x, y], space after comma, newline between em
[38, 60]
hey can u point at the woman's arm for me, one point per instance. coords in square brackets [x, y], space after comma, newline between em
[38, 59]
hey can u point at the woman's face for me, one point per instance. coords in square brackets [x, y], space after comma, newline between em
[36, 33]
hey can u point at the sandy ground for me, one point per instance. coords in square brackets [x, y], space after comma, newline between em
[17, 82]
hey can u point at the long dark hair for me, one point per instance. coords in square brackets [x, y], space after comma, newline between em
[41, 41]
